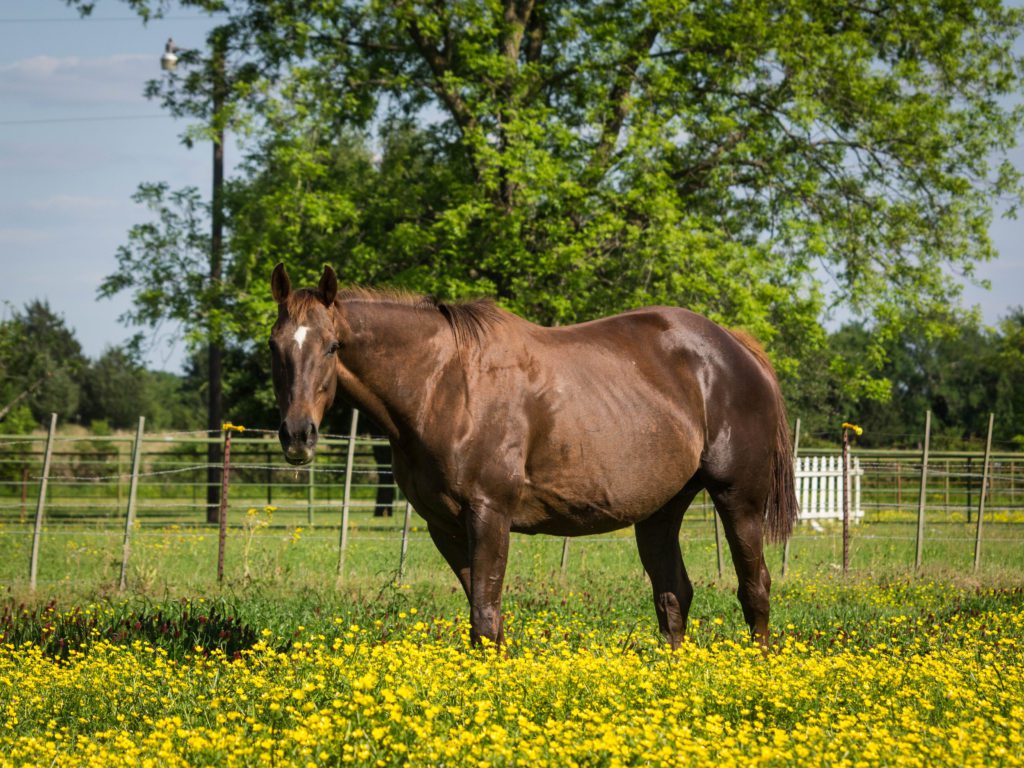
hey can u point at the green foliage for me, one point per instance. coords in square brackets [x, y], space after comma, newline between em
[960, 376]
[19, 421]
[44, 371]
[40, 363]
[179, 628]
[165, 261]
[114, 390]
[117, 389]
[763, 163]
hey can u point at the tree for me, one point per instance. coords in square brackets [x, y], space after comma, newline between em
[1009, 362]
[760, 162]
[115, 390]
[960, 376]
[40, 362]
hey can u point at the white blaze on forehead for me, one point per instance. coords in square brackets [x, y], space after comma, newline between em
[300, 335]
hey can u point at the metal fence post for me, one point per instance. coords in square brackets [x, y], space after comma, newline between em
[405, 541]
[796, 451]
[129, 518]
[33, 565]
[346, 501]
[919, 552]
[565, 555]
[981, 500]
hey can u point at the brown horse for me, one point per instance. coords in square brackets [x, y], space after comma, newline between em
[499, 425]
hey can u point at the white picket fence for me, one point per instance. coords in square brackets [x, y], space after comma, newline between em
[819, 487]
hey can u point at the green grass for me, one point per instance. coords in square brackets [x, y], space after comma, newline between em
[175, 557]
[284, 574]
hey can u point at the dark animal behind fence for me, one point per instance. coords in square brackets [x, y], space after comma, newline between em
[498, 425]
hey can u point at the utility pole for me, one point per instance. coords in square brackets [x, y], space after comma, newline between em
[218, 80]
[218, 83]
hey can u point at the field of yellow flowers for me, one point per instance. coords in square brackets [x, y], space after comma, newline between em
[906, 672]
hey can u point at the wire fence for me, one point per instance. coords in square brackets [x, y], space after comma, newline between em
[301, 521]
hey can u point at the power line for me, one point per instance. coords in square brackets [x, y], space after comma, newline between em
[43, 120]
[90, 19]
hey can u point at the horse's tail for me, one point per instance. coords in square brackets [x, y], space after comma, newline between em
[781, 508]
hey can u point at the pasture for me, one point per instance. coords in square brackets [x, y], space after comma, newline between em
[285, 663]
[285, 667]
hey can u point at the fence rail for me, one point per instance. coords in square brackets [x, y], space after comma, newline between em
[89, 480]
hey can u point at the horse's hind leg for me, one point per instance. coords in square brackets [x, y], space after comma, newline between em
[657, 539]
[742, 516]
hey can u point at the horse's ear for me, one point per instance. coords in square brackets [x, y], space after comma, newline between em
[328, 286]
[280, 285]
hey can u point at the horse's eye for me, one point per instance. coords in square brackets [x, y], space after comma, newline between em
[333, 348]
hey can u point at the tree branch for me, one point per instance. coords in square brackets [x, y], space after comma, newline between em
[28, 391]
[440, 64]
[618, 98]
[517, 17]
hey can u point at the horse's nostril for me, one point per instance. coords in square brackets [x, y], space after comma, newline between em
[310, 433]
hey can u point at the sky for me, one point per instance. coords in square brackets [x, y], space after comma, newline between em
[77, 136]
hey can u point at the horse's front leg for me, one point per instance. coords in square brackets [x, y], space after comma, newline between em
[454, 547]
[488, 553]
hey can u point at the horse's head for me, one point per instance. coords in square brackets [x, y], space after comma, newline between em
[304, 360]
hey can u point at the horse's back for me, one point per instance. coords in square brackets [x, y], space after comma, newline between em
[616, 413]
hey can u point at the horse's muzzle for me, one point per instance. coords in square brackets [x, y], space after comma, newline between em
[298, 440]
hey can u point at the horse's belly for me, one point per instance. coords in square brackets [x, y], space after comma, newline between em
[594, 486]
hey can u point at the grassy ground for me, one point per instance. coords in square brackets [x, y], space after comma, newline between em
[283, 548]
[284, 665]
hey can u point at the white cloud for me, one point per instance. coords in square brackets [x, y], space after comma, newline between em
[49, 81]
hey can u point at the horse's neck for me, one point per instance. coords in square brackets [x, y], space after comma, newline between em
[398, 352]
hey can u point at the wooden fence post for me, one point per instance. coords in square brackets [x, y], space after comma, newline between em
[33, 564]
[129, 518]
[346, 502]
[796, 452]
[226, 428]
[405, 541]
[846, 499]
[981, 500]
[919, 551]
[222, 517]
